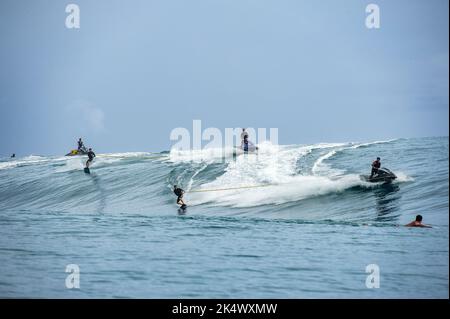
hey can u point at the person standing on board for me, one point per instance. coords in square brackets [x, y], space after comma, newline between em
[179, 192]
[91, 156]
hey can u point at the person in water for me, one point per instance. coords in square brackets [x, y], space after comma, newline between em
[91, 156]
[14, 155]
[375, 166]
[81, 147]
[179, 192]
[417, 223]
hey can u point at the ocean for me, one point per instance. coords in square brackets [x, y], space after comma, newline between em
[293, 221]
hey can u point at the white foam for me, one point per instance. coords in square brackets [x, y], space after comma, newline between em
[126, 154]
[319, 167]
[277, 175]
[5, 165]
[78, 162]
[402, 177]
[72, 164]
[33, 158]
[201, 155]
[210, 155]
[28, 160]
[358, 145]
[273, 178]
[297, 188]
[191, 181]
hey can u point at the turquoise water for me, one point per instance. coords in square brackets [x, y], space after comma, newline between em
[295, 221]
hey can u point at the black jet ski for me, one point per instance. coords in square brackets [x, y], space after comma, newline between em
[383, 175]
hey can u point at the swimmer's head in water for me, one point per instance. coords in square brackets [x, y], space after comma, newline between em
[418, 218]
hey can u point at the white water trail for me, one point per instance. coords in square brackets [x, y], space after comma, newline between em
[273, 179]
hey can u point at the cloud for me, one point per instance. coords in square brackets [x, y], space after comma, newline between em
[87, 115]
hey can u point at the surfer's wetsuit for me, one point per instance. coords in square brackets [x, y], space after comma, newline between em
[179, 192]
[91, 156]
[375, 166]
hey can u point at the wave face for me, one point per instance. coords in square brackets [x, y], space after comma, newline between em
[306, 185]
[294, 181]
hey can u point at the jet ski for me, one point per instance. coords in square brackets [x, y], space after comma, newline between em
[239, 150]
[383, 175]
[77, 152]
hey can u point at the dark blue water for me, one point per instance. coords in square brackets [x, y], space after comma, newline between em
[292, 222]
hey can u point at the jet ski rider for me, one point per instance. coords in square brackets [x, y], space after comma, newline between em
[245, 143]
[375, 166]
[81, 147]
[243, 134]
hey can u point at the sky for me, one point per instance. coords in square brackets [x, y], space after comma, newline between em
[136, 70]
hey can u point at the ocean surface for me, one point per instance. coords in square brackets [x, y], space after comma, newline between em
[294, 221]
